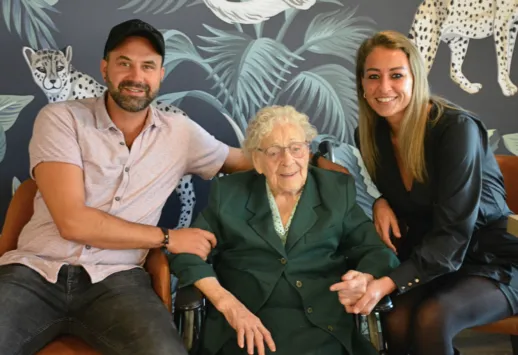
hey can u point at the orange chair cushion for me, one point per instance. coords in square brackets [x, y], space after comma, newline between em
[509, 166]
[67, 345]
[505, 326]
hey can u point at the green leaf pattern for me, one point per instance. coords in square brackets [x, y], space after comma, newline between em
[33, 15]
[10, 108]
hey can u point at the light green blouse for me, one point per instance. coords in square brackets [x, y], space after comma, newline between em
[282, 231]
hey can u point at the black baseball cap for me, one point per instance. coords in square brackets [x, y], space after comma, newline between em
[134, 27]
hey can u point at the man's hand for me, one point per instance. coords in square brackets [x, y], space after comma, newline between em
[352, 288]
[191, 241]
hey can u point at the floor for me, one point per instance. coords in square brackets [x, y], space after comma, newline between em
[474, 343]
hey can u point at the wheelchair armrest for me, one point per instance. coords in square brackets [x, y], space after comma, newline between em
[384, 305]
[188, 298]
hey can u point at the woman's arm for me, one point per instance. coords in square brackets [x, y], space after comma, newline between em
[458, 185]
[361, 243]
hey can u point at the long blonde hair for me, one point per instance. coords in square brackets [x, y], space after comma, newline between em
[413, 125]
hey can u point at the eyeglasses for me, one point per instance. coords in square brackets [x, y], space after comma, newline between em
[296, 149]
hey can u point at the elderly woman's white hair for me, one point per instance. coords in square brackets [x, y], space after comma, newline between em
[266, 118]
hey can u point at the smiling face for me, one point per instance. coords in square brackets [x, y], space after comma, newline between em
[388, 82]
[133, 72]
[285, 172]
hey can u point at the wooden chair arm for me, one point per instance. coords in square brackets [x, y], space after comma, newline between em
[158, 268]
[19, 213]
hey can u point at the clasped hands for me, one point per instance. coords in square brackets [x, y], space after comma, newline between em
[359, 292]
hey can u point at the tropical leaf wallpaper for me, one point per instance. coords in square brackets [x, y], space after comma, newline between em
[224, 61]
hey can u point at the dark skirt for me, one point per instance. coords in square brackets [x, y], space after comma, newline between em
[292, 333]
[492, 253]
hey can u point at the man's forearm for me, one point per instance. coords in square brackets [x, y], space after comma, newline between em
[102, 230]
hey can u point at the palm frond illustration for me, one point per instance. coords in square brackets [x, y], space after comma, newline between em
[30, 19]
[158, 6]
[511, 142]
[327, 88]
[15, 184]
[10, 108]
[249, 70]
[330, 88]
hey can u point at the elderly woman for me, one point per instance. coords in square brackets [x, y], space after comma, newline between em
[439, 178]
[288, 236]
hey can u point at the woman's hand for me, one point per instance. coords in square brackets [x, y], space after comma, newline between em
[384, 220]
[352, 288]
[376, 290]
[248, 327]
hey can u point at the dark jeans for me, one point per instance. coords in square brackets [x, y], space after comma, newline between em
[119, 315]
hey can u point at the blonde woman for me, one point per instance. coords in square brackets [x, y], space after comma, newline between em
[443, 200]
[286, 245]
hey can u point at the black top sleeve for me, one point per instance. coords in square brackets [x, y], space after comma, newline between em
[458, 186]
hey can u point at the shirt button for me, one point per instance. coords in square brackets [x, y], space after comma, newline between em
[284, 261]
[310, 310]
[117, 198]
[88, 247]
[299, 284]
[126, 169]
[121, 143]
[330, 328]
[113, 129]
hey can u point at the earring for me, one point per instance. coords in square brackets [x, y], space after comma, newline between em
[364, 95]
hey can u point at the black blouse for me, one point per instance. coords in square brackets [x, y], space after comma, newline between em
[463, 193]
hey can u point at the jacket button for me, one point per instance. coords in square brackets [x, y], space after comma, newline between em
[284, 261]
[409, 284]
[310, 310]
[299, 284]
[403, 287]
[330, 328]
[416, 280]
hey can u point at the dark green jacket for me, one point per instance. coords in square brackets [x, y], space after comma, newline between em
[329, 235]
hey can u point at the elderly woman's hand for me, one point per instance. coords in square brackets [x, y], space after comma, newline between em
[384, 220]
[248, 327]
[376, 290]
[352, 288]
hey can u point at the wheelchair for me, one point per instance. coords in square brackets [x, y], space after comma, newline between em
[190, 306]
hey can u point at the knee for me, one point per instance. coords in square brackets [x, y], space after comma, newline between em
[396, 325]
[154, 341]
[433, 316]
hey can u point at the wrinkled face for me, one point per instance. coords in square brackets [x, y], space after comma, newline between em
[283, 157]
[387, 82]
[133, 72]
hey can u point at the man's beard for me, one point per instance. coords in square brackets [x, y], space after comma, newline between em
[127, 102]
